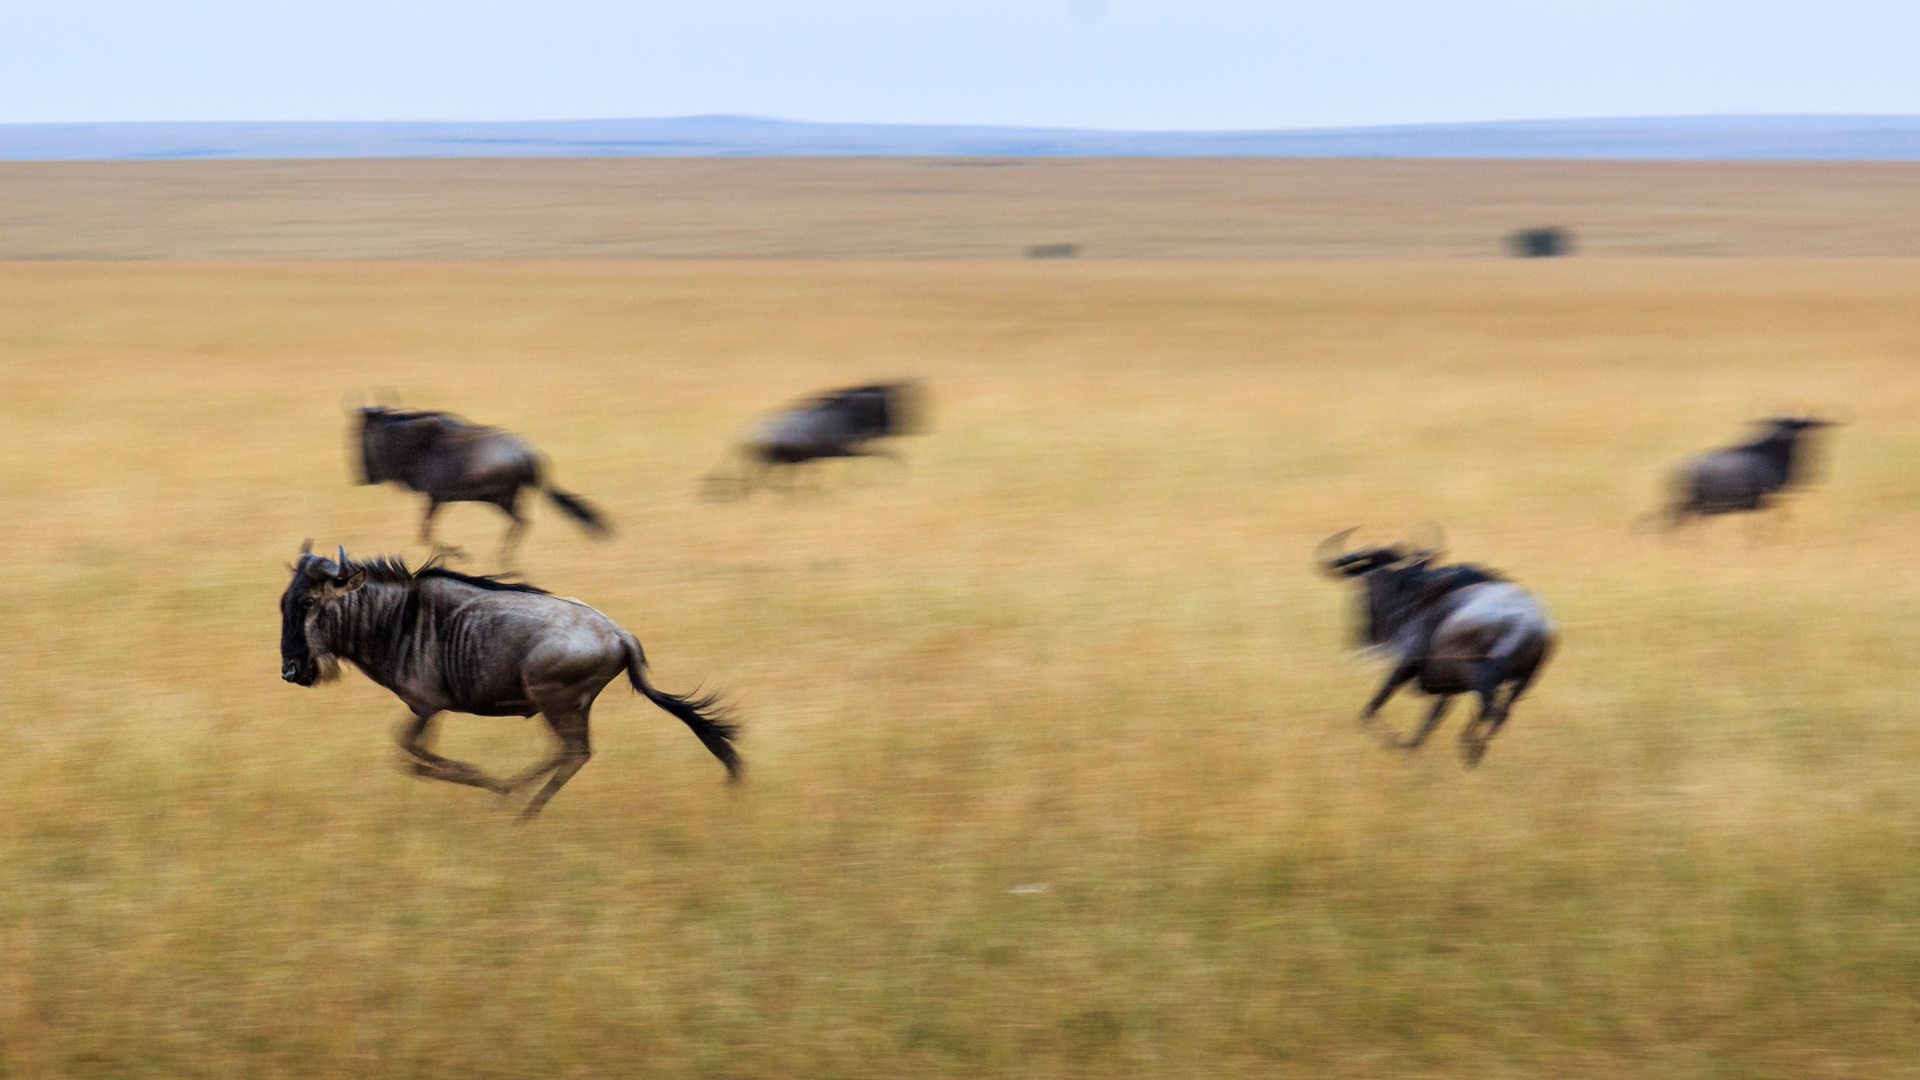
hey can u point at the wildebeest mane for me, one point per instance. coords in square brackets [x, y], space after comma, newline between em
[874, 410]
[392, 570]
[1398, 592]
[403, 415]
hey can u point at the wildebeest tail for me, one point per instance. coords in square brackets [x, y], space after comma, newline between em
[711, 721]
[580, 510]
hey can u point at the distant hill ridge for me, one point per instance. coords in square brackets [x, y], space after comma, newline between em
[1813, 138]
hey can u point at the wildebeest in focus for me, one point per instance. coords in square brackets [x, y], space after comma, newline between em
[1455, 629]
[1748, 476]
[449, 642]
[448, 459]
[836, 424]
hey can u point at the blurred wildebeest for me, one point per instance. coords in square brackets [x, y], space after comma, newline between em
[444, 641]
[838, 423]
[1748, 476]
[448, 459]
[1456, 629]
[1540, 243]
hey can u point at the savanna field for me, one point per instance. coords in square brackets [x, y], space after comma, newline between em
[1053, 768]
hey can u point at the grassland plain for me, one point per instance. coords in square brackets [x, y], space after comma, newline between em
[944, 208]
[1077, 644]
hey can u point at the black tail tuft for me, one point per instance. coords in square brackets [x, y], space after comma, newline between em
[581, 511]
[712, 723]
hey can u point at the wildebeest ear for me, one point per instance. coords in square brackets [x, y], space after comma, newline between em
[306, 546]
[354, 580]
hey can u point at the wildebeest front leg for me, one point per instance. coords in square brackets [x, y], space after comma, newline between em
[428, 764]
[511, 542]
[575, 750]
[426, 533]
[1399, 678]
[1433, 721]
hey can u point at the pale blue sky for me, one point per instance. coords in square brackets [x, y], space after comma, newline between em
[1125, 64]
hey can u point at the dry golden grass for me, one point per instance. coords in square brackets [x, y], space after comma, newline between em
[1077, 644]
[1243, 208]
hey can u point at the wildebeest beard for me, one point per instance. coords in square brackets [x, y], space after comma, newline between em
[306, 658]
[1392, 598]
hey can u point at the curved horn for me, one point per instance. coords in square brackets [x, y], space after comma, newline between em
[1331, 548]
[341, 562]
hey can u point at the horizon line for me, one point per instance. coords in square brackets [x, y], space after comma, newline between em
[1727, 136]
[985, 125]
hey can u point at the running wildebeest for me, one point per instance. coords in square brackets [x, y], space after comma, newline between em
[837, 424]
[448, 459]
[1456, 629]
[1745, 477]
[445, 641]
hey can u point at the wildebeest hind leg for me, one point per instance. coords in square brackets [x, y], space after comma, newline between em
[575, 750]
[432, 766]
[1433, 721]
[1519, 687]
[1494, 706]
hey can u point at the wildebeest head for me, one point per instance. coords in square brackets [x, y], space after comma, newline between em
[1795, 424]
[1790, 430]
[317, 580]
[869, 412]
[1390, 577]
[391, 437]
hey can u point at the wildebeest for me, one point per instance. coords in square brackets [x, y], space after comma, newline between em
[1745, 477]
[1456, 629]
[448, 459]
[838, 423]
[1540, 243]
[450, 642]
